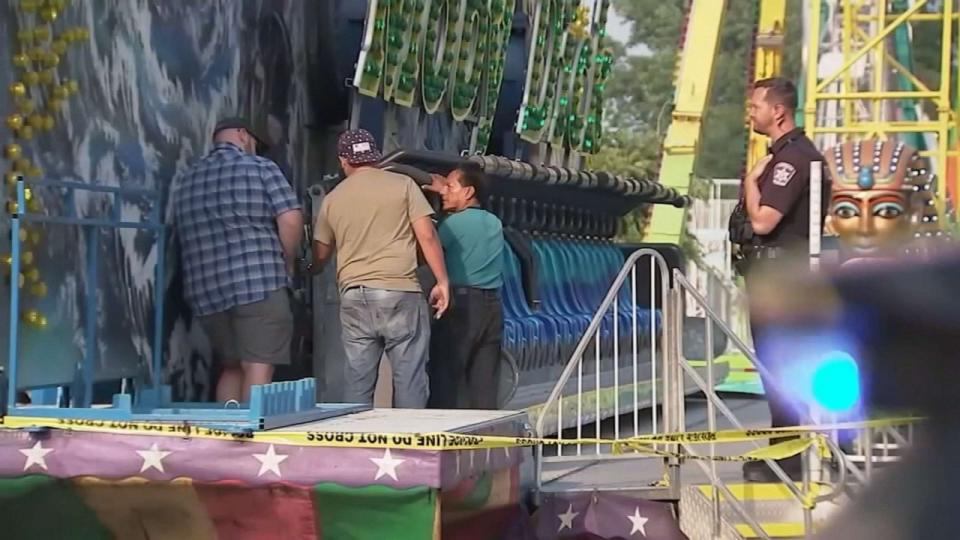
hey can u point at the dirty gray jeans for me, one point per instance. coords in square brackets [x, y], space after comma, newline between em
[375, 321]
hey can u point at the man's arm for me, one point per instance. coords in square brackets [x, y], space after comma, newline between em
[290, 230]
[323, 239]
[286, 208]
[788, 181]
[321, 254]
[763, 218]
[429, 244]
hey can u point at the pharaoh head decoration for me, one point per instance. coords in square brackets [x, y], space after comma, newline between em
[880, 190]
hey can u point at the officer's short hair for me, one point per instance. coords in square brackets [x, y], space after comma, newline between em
[780, 91]
[472, 175]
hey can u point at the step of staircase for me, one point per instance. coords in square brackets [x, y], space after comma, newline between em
[771, 505]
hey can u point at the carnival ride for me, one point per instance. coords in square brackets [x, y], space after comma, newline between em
[861, 96]
[564, 216]
[595, 330]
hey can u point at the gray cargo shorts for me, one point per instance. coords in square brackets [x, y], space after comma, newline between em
[260, 332]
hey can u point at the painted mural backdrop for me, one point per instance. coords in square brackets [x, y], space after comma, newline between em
[145, 82]
[126, 93]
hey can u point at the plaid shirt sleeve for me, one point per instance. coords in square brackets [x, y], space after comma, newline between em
[280, 193]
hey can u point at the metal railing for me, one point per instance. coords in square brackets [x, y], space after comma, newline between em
[681, 288]
[597, 365]
[873, 448]
[606, 376]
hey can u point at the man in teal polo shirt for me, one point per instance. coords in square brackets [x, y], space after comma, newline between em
[465, 344]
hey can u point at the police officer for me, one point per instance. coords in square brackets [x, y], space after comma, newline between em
[775, 221]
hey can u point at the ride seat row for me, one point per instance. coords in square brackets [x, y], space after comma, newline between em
[574, 276]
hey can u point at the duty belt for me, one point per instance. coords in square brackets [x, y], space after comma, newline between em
[767, 252]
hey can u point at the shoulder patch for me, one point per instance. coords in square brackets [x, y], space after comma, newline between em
[783, 172]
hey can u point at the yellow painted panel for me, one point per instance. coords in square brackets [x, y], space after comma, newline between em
[694, 78]
[773, 530]
[768, 61]
[761, 492]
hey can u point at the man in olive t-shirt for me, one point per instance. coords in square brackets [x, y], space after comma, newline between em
[375, 219]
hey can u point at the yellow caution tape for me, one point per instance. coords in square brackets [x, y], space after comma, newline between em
[744, 435]
[646, 444]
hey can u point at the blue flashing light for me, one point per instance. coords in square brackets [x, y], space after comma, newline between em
[836, 382]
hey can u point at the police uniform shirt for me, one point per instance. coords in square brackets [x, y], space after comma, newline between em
[785, 186]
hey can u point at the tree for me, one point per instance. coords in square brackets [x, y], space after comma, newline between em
[641, 89]
[632, 154]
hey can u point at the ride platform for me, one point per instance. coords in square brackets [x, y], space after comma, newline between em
[120, 480]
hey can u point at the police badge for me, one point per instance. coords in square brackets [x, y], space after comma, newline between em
[782, 173]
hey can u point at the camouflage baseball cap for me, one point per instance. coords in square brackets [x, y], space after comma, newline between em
[358, 147]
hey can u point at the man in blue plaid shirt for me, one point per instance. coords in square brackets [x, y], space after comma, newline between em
[240, 226]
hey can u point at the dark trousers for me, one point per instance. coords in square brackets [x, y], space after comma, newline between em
[465, 345]
[783, 412]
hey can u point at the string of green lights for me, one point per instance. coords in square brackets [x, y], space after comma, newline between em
[455, 53]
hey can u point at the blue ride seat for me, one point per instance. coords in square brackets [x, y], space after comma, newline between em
[574, 278]
[558, 300]
[533, 336]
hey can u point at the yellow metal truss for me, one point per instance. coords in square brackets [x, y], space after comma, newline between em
[866, 31]
[693, 81]
[768, 59]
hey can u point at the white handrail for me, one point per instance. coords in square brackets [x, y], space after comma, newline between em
[594, 326]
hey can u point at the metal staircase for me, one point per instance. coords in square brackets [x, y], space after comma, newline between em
[713, 500]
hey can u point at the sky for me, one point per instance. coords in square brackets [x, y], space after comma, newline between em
[619, 29]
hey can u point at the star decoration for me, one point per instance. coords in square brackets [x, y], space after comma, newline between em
[36, 456]
[639, 523]
[153, 458]
[387, 465]
[566, 518]
[270, 461]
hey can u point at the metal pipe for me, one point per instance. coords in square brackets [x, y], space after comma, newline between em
[811, 53]
[13, 359]
[917, 17]
[633, 326]
[846, 31]
[579, 402]
[616, 368]
[805, 475]
[159, 289]
[886, 127]
[653, 343]
[596, 389]
[712, 425]
[879, 74]
[870, 44]
[944, 107]
[91, 311]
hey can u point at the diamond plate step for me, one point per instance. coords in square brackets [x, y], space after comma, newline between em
[771, 505]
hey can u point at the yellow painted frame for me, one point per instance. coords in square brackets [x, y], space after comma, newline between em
[855, 45]
[694, 78]
[768, 62]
